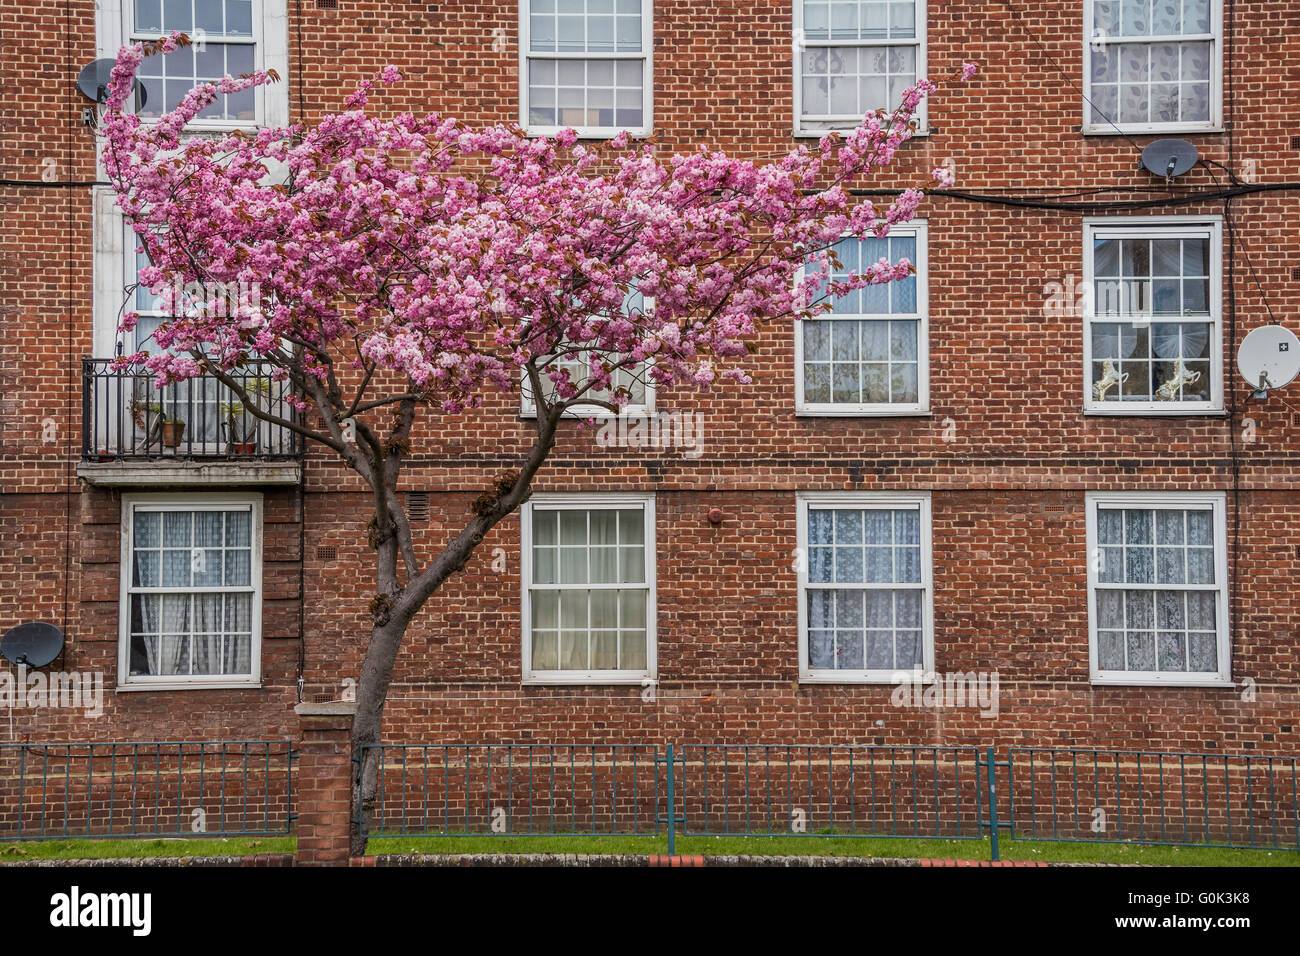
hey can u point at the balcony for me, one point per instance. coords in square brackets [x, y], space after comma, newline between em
[191, 432]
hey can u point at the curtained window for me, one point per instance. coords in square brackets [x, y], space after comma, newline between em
[586, 66]
[1152, 65]
[1151, 312]
[864, 587]
[869, 354]
[193, 586]
[589, 573]
[854, 57]
[1158, 575]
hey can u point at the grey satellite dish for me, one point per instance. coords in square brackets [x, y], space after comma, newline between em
[93, 79]
[32, 645]
[1169, 157]
[1269, 357]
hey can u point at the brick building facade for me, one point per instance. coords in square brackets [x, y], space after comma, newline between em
[1011, 495]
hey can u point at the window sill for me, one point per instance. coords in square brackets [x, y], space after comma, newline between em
[868, 678]
[1214, 682]
[132, 688]
[579, 413]
[863, 413]
[844, 130]
[1156, 412]
[590, 135]
[1148, 129]
[591, 680]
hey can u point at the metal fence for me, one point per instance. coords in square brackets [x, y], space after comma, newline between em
[825, 790]
[153, 789]
[124, 415]
[441, 790]
[1174, 799]
[515, 789]
[245, 787]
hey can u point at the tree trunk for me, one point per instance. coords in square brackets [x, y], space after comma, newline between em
[372, 693]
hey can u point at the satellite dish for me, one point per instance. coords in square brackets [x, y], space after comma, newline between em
[32, 645]
[93, 79]
[1169, 157]
[1269, 357]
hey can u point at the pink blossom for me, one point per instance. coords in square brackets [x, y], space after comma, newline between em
[454, 257]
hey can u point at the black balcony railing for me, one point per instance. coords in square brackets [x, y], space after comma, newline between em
[124, 415]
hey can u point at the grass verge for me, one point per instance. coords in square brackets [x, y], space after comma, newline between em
[888, 847]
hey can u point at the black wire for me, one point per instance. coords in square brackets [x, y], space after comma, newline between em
[1031, 202]
[57, 184]
[1232, 431]
[1233, 601]
[70, 478]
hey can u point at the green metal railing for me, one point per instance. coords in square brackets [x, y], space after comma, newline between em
[911, 792]
[430, 790]
[146, 789]
[1167, 799]
[434, 790]
[827, 790]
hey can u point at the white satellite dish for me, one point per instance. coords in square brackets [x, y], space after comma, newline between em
[1269, 357]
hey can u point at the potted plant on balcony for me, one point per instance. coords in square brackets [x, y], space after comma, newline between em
[241, 429]
[147, 416]
[172, 431]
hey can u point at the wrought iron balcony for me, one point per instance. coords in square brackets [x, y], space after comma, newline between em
[126, 417]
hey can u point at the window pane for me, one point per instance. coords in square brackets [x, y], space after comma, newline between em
[632, 650]
[546, 653]
[148, 16]
[1202, 653]
[546, 610]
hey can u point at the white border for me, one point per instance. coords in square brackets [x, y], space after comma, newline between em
[585, 502]
[194, 501]
[867, 499]
[1215, 124]
[1163, 500]
[592, 132]
[920, 229]
[1157, 227]
[798, 44]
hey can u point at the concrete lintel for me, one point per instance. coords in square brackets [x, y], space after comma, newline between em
[155, 472]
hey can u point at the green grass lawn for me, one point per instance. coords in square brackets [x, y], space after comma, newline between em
[69, 849]
[61, 849]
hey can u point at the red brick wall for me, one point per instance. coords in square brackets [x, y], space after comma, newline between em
[1006, 380]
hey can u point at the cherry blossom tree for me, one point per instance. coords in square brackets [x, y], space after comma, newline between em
[406, 265]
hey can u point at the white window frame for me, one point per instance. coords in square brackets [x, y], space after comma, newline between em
[590, 132]
[114, 21]
[189, 502]
[921, 116]
[1215, 36]
[867, 499]
[586, 502]
[921, 407]
[1171, 227]
[1158, 500]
